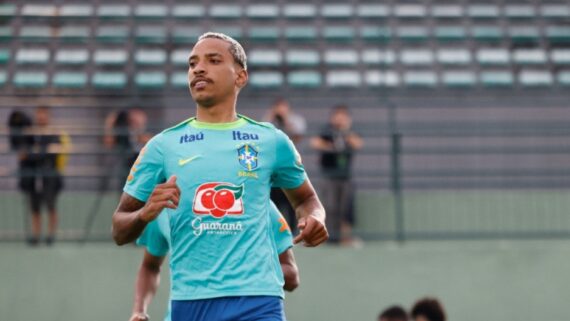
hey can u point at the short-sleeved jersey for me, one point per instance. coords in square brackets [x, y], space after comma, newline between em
[221, 243]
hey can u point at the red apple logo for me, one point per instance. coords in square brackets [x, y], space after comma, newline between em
[218, 199]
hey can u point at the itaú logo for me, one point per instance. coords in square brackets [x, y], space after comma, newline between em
[218, 199]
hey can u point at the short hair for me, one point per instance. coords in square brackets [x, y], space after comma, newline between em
[394, 313]
[430, 308]
[236, 50]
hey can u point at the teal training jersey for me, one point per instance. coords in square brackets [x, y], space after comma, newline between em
[221, 243]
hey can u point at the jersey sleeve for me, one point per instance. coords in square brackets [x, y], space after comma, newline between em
[281, 230]
[146, 172]
[153, 239]
[289, 170]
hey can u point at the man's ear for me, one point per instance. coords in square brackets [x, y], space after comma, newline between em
[242, 78]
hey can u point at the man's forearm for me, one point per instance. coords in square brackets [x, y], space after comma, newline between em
[311, 206]
[147, 283]
[127, 225]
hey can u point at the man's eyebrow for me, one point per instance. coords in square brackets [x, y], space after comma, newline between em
[208, 55]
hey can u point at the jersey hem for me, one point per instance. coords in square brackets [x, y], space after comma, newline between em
[226, 294]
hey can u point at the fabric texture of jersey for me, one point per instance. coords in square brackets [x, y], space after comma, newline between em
[221, 242]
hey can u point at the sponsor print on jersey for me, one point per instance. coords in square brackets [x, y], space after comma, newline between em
[218, 199]
[247, 156]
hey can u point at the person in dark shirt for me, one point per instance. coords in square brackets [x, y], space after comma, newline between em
[337, 144]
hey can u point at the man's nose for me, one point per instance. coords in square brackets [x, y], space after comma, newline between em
[199, 69]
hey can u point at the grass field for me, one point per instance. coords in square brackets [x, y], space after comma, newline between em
[476, 280]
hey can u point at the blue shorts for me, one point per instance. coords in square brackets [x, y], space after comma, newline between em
[241, 308]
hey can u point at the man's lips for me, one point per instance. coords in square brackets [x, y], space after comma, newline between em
[200, 83]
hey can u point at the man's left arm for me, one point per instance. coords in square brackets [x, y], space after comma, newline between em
[290, 270]
[310, 214]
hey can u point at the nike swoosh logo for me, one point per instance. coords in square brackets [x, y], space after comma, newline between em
[182, 162]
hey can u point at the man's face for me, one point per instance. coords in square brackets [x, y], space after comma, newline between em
[213, 74]
[341, 120]
[42, 117]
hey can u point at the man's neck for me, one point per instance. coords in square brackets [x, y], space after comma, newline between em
[221, 113]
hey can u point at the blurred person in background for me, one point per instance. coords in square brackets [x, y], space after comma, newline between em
[393, 313]
[428, 309]
[337, 144]
[294, 126]
[43, 155]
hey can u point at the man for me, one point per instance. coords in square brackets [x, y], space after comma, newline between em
[337, 144]
[156, 239]
[212, 173]
[428, 309]
[393, 313]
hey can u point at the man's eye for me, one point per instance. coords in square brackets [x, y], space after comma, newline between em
[192, 64]
[215, 61]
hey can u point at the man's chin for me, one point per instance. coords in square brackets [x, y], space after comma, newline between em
[205, 101]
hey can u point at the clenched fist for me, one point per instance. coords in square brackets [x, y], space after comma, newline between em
[313, 231]
[166, 195]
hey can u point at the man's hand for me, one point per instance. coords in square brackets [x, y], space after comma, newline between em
[139, 316]
[313, 231]
[166, 195]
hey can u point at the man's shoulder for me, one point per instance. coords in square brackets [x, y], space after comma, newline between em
[260, 124]
[177, 127]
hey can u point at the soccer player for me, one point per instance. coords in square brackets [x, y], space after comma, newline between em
[156, 239]
[212, 173]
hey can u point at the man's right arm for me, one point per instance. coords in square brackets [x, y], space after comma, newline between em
[148, 280]
[132, 215]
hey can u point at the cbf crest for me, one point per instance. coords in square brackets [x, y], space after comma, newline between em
[247, 156]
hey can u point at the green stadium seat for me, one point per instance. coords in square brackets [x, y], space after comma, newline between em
[524, 34]
[519, 11]
[3, 78]
[74, 34]
[339, 33]
[304, 57]
[560, 56]
[305, 33]
[264, 33]
[114, 34]
[36, 33]
[32, 56]
[555, 11]
[529, 56]
[496, 78]
[7, 11]
[304, 79]
[30, 79]
[563, 78]
[225, 11]
[373, 11]
[494, 56]
[151, 80]
[373, 78]
[343, 78]
[377, 57]
[150, 34]
[300, 11]
[558, 34]
[450, 33]
[454, 56]
[180, 57]
[420, 79]
[487, 33]
[72, 56]
[6, 34]
[483, 11]
[151, 11]
[262, 11]
[265, 58]
[410, 11]
[186, 35]
[344, 57]
[412, 34]
[110, 57]
[150, 57]
[390, 78]
[4, 56]
[535, 78]
[113, 11]
[109, 80]
[447, 11]
[337, 11]
[75, 11]
[232, 31]
[375, 33]
[458, 79]
[414, 57]
[38, 11]
[188, 11]
[266, 79]
[69, 80]
[179, 79]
